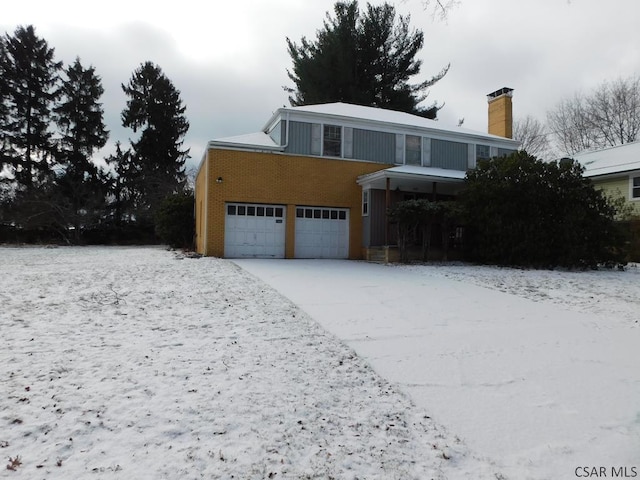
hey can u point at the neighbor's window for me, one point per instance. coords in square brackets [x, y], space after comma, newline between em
[635, 187]
[413, 150]
[332, 141]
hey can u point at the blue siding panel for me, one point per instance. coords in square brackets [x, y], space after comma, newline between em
[449, 155]
[299, 138]
[377, 218]
[373, 146]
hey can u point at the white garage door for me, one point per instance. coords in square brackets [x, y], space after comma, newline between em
[253, 230]
[322, 232]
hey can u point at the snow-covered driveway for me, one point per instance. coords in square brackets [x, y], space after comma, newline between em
[543, 377]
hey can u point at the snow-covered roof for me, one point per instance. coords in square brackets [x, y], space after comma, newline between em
[359, 116]
[381, 116]
[619, 159]
[411, 178]
[252, 140]
[443, 173]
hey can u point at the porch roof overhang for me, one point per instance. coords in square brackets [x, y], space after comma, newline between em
[410, 178]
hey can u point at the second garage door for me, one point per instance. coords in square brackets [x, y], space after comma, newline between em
[322, 232]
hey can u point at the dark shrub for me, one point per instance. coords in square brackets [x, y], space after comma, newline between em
[174, 221]
[526, 212]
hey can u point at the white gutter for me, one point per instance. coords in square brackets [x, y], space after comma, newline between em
[286, 135]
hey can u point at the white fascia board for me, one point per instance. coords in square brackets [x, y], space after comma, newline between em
[620, 169]
[245, 147]
[596, 176]
[429, 174]
[275, 118]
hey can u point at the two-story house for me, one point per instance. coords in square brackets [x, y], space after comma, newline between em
[317, 181]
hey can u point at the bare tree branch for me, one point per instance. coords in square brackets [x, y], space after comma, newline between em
[533, 137]
[440, 8]
[608, 116]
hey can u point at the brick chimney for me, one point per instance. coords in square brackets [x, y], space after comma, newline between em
[500, 112]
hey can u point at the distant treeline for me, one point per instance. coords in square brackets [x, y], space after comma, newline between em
[52, 189]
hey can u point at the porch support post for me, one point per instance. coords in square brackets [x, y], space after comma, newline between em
[434, 191]
[387, 204]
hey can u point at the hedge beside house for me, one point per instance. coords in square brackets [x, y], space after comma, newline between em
[522, 211]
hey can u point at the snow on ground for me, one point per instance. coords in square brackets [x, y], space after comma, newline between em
[121, 363]
[537, 371]
[606, 292]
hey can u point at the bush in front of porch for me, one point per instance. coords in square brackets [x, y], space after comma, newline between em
[416, 220]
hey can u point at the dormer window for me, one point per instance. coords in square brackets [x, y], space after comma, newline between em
[332, 141]
[413, 150]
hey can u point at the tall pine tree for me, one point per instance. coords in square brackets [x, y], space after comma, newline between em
[122, 199]
[79, 115]
[363, 58]
[154, 108]
[30, 77]
[4, 108]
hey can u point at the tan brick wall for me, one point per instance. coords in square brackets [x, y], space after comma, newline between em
[281, 179]
[501, 116]
[200, 207]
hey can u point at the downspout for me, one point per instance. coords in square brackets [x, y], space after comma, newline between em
[289, 232]
[286, 135]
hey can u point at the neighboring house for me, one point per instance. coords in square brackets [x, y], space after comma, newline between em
[317, 181]
[616, 170]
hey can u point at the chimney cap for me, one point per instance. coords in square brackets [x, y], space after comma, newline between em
[498, 93]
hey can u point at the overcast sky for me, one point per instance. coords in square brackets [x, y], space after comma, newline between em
[229, 59]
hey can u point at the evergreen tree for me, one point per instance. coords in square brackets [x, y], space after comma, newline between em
[121, 196]
[175, 222]
[154, 107]
[363, 58]
[4, 110]
[30, 77]
[79, 115]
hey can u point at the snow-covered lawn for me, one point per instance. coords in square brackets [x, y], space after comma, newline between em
[610, 293]
[129, 363]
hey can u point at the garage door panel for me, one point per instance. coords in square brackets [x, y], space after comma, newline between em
[254, 230]
[321, 232]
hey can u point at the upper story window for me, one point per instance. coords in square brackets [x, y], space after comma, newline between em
[505, 152]
[413, 150]
[483, 152]
[635, 187]
[332, 141]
